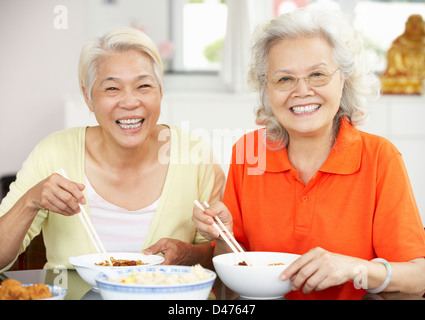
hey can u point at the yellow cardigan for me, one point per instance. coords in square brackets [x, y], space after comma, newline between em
[187, 179]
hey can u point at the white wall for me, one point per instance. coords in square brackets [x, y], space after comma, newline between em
[38, 63]
[150, 16]
[37, 67]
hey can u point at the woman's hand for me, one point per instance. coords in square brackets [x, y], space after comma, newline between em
[54, 193]
[319, 269]
[177, 252]
[204, 220]
[57, 194]
[174, 251]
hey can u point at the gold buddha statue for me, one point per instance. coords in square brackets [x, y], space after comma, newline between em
[405, 71]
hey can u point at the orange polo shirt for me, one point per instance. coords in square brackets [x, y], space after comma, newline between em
[360, 203]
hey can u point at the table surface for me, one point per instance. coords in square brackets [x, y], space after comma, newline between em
[78, 289]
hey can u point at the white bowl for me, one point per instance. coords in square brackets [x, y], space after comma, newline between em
[88, 270]
[259, 281]
[111, 289]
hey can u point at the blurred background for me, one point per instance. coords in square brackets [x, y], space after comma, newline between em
[205, 48]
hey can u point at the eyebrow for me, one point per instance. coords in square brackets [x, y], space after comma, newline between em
[288, 71]
[138, 78]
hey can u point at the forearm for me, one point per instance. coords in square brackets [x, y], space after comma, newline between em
[221, 247]
[14, 226]
[201, 254]
[407, 277]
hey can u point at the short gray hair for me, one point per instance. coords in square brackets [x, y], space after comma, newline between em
[116, 40]
[336, 28]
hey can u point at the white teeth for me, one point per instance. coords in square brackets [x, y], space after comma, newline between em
[130, 123]
[305, 109]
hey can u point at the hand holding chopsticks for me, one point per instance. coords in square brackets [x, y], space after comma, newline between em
[86, 221]
[226, 235]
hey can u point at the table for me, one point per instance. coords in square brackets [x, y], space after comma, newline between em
[78, 289]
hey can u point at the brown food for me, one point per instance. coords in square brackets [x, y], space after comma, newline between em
[243, 263]
[13, 290]
[121, 263]
[39, 291]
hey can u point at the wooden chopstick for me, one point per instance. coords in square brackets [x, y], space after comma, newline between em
[91, 231]
[227, 238]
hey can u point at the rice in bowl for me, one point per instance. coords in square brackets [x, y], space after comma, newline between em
[159, 277]
[160, 282]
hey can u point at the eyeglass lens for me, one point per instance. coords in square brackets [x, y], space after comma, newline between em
[315, 78]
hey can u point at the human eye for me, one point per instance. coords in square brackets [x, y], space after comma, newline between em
[286, 79]
[318, 74]
[111, 89]
[144, 86]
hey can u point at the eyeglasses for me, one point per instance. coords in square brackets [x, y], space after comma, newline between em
[316, 78]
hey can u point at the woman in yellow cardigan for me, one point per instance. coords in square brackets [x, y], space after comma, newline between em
[149, 174]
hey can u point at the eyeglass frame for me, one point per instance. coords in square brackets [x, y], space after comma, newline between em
[306, 79]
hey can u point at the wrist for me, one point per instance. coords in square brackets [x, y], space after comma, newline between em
[221, 247]
[388, 276]
[28, 205]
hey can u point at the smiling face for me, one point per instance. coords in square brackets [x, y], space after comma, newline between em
[305, 110]
[126, 98]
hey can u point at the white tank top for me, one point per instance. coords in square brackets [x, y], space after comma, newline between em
[119, 230]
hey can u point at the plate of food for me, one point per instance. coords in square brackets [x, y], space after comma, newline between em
[12, 289]
[90, 265]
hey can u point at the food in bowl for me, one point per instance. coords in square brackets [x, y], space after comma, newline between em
[261, 280]
[12, 289]
[87, 269]
[159, 282]
[120, 263]
[160, 276]
[243, 263]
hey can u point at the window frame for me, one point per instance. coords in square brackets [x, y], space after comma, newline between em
[176, 34]
[176, 14]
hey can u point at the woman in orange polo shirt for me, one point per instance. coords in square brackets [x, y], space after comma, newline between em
[310, 182]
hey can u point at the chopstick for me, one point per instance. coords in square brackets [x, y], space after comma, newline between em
[227, 238]
[86, 221]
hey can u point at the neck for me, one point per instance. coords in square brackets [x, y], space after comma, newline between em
[307, 155]
[115, 157]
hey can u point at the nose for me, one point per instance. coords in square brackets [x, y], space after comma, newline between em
[302, 88]
[129, 100]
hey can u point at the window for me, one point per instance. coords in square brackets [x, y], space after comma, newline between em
[198, 30]
[380, 21]
[199, 27]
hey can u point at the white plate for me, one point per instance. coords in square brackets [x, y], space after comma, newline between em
[88, 270]
[59, 293]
